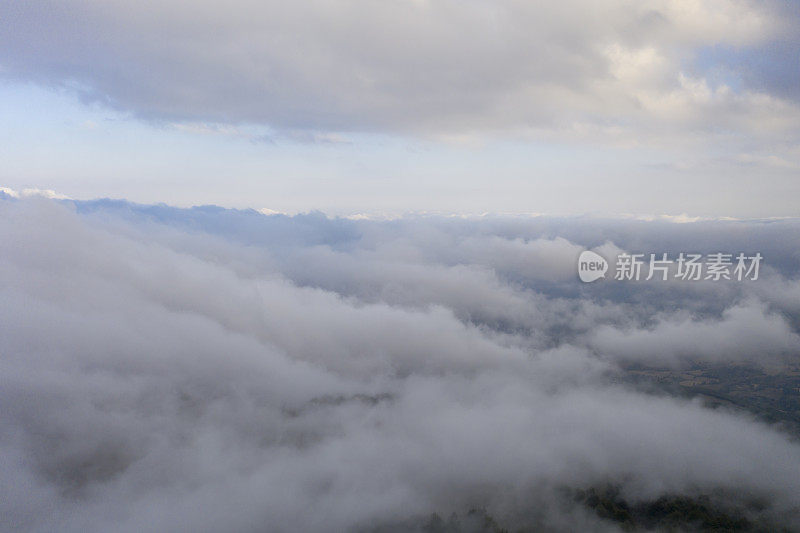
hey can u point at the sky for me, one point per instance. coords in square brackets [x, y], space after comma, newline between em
[382, 108]
[273, 265]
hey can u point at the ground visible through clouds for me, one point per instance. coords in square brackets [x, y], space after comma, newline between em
[207, 369]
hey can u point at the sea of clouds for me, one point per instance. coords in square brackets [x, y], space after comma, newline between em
[205, 369]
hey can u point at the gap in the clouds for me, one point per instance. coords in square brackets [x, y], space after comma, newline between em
[55, 142]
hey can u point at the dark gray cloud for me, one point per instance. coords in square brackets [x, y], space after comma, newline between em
[217, 370]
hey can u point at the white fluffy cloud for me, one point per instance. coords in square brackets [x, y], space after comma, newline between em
[270, 373]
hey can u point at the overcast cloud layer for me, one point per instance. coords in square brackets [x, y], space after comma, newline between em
[613, 69]
[217, 370]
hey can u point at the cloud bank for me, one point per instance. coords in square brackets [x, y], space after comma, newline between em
[613, 70]
[214, 370]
